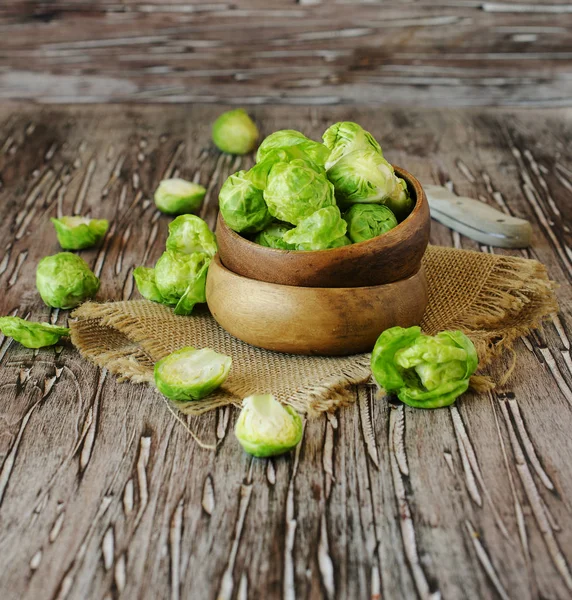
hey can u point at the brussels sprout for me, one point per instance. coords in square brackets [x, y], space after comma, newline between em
[425, 371]
[258, 175]
[191, 374]
[235, 132]
[178, 197]
[30, 334]
[189, 234]
[341, 241]
[65, 280]
[174, 271]
[366, 221]
[345, 137]
[362, 176]
[242, 205]
[273, 236]
[77, 233]
[146, 284]
[196, 290]
[295, 191]
[318, 231]
[267, 428]
[399, 201]
[293, 142]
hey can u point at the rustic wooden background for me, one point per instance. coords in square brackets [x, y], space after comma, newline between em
[104, 495]
[414, 53]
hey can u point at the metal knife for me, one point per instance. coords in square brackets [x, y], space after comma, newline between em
[477, 220]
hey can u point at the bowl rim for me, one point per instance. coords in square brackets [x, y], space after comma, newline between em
[412, 183]
[219, 264]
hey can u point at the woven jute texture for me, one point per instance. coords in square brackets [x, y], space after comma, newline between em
[493, 299]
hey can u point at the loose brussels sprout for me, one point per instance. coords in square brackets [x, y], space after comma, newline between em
[258, 175]
[174, 271]
[362, 176]
[341, 241]
[191, 374]
[318, 231]
[30, 334]
[196, 290]
[146, 284]
[366, 221]
[293, 142]
[294, 191]
[242, 205]
[267, 428]
[178, 197]
[425, 371]
[65, 280]
[189, 234]
[273, 236]
[235, 132]
[345, 137]
[400, 201]
[77, 233]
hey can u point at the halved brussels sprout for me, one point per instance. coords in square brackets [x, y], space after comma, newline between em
[174, 271]
[273, 236]
[196, 290]
[425, 371]
[177, 196]
[267, 428]
[362, 176]
[318, 231]
[293, 142]
[235, 132]
[399, 201]
[242, 205]
[345, 137]
[191, 374]
[294, 191]
[146, 284]
[188, 234]
[31, 334]
[77, 233]
[366, 221]
[65, 280]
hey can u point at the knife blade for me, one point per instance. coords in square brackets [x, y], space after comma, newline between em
[477, 220]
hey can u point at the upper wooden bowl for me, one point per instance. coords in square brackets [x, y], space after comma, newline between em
[305, 320]
[389, 257]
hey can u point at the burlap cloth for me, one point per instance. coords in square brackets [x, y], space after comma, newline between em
[493, 299]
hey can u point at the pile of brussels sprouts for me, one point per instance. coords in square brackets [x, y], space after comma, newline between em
[305, 195]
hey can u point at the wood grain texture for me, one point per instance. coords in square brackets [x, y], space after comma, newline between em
[413, 53]
[104, 495]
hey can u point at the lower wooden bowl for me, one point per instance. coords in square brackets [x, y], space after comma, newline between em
[305, 320]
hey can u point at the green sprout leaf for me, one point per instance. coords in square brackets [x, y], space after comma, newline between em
[146, 284]
[190, 374]
[196, 290]
[189, 234]
[295, 191]
[318, 231]
[242, 205]
[235, 132]
[425, 371]
[366, 221]
[345, 137]
[178, 197]
[267, 428]
[65, 280]
[77, 233]
[31, 334]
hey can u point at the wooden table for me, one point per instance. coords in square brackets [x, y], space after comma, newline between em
[104, 495]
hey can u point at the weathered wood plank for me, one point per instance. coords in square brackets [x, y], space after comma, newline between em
[452, 53]
[103, 494]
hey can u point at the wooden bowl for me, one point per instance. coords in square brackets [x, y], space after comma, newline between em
[393, 256]
[305, 320]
